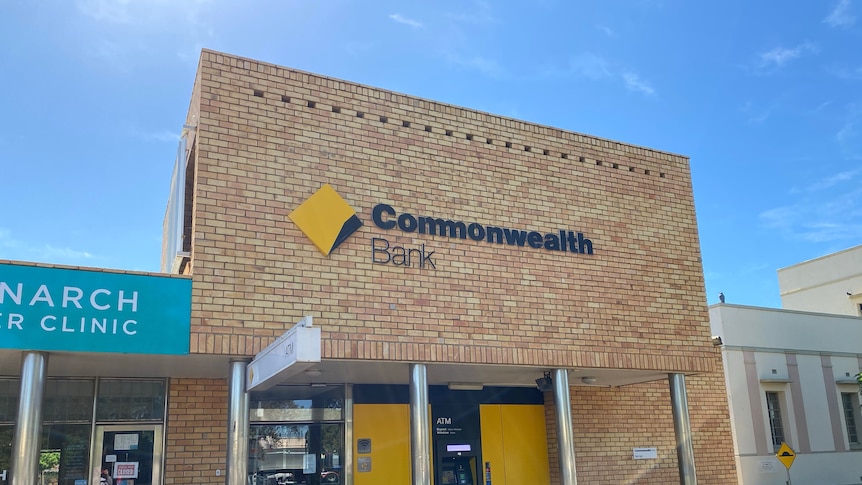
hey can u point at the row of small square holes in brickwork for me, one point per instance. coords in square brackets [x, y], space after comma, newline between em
[488, 141]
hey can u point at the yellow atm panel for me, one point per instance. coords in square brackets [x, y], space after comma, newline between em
[387, 428]
[514, 440]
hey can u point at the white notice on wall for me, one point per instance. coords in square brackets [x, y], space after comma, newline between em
[125, 442]
[644, 453]
[767, 466]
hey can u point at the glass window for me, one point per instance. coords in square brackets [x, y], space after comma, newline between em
[7, 433]
[135, 446]
[850, 400]
[65, 454]
[297, 403]
[8, 401]
[296, 435]
[68, 400]
[132, 400]
[294, 454]
[776, 427]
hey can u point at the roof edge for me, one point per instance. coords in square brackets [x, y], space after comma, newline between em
[680, 157]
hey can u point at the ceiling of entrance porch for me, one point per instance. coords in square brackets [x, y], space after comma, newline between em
[377, 372]
[68, 364]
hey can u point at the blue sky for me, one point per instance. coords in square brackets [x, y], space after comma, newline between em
[764, 96]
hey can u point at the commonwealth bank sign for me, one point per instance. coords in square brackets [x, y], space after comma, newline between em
[326, 219]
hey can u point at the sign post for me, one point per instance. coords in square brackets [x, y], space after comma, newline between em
[786, 456]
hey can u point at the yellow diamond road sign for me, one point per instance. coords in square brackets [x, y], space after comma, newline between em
[786, 455]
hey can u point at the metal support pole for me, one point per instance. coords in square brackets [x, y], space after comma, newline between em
[682, 428]
[419, 425]
[348, 435]
[237, 432]
[26, 447]
[565, 440]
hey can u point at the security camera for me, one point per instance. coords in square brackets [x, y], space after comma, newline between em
[545, 383]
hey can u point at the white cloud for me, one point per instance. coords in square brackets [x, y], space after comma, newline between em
[406, 21]
[833, 180]
[607, 30]
[488, 67]
[164, 136]
[848, 74]
[821, 216]
[840, 16]
[596, 68]
[130, 28]
[591, 66]
[482, 15]
[112, 55]
[847, 131]
[111, 11]
[191, 54]
[756, 114]
[781, 55]
[6, 240]
[128, 11]
[849, 136]
[19, 250]
[820, 107]
[636, 84]
[50, 253]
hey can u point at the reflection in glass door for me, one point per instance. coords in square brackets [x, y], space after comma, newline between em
[132, 454]
[6, 434]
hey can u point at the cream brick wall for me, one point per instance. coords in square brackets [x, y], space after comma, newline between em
[262, 149]
[196, 437]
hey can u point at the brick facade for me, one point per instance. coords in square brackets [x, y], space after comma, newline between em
[268, 137]
[196, 432]
[610, 422]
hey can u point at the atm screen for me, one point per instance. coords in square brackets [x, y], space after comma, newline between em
[458, 448]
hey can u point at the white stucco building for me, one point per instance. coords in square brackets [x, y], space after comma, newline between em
[831, 284]
[791, 378]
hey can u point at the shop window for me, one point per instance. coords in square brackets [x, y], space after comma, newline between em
[297, 403]
[63, 458]
[68, 400]
[776, 426]
[288, 454]
[7, 434]
[296, 435]
[850, 402]
[66, 416]
[130, 400]
[64, 454]
[8, 401]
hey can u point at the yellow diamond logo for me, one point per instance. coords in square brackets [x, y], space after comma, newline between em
[326, 219]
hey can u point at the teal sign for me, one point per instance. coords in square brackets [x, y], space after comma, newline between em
[93, 311]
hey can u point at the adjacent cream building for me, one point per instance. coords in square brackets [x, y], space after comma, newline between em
[791, 375]
[832, 284]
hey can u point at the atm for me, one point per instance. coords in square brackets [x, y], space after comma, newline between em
[457, 462]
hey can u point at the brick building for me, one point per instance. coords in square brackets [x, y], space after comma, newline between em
[452, 261]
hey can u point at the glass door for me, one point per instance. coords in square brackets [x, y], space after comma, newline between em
[131, 454]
